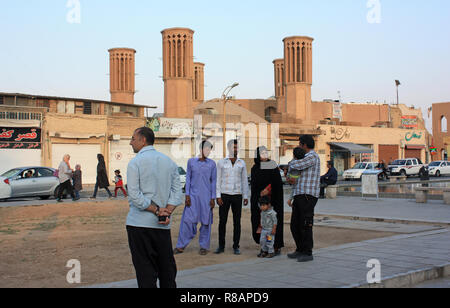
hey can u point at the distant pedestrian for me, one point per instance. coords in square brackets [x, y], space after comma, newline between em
[77, 181]
[330, 178]
[200, 200]
[306, 192]
[269, 228]
[232, 187]
[102, 177]
[154, 191]
[119, 184]
[65, 174]
[266, 182]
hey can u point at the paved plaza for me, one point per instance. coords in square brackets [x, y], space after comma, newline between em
[418, 254]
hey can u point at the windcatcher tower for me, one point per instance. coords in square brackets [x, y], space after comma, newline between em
[178, 71]
[280, 85]
[198, 90]
[298, 77]
[122, 75]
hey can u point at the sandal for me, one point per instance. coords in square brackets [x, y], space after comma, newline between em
[178, 251]
[203, 252]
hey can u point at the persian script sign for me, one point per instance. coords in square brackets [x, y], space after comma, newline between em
[410, 122]
[20, 138]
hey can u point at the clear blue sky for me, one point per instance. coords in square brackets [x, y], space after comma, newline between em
[41, 53]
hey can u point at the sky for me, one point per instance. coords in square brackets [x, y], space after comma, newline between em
[60, 47]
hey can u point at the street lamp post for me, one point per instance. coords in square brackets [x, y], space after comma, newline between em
[397, 83]
[224, 102]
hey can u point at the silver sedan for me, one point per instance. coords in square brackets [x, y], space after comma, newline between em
[29, 182]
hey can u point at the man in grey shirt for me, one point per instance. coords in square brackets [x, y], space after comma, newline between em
[154, 191]
[65, 174]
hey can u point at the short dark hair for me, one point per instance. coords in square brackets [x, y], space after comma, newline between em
[206, 144]
[308, 140]
[330, 162]
[117, 171]
[264, 200]
[148, 134]
[299, 153]
[232, 142]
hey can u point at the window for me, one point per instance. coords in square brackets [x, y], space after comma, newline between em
[87, 108]
[409, 163]
[45, 173]
[443, 124]
[1, 100]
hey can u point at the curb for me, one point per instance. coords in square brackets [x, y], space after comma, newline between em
[388, 220]
[409, 279]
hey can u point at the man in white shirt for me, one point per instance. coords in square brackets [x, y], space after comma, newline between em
[232, 187]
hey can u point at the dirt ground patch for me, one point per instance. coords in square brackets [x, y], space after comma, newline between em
[36, 243]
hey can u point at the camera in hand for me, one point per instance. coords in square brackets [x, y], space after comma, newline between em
[162, 218]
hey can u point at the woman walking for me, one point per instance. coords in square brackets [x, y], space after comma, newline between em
[102, 177]
[266, 181]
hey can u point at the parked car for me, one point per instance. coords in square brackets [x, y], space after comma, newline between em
[357, 171]
[182, 174]
[406, 167]
[29, 182]
[438, 168]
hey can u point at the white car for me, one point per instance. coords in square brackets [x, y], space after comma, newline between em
[28, 182]
[406, 167]
[438, 168]
[182, 173]
[357, 171]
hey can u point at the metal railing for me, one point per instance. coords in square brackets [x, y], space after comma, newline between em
[19, 115]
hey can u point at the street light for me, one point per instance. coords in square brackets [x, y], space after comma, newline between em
[397, 83]
[224, 103]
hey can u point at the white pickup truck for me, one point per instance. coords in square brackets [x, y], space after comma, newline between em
[406, 167]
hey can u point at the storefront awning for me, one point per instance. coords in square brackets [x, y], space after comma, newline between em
[415, 147]
[352, 147]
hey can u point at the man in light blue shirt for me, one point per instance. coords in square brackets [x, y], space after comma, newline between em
[154, 192]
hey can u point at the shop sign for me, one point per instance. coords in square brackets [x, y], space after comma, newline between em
[409, 122]
[20, 138]
[412, 135]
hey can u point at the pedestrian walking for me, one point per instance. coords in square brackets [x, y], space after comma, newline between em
[200, 201]
[77, 181]
[65, 174]
[118, 181]
[266, 174]
[231, 189]
[102, 177]
[306, 194]
[154, 191]
[268, 228]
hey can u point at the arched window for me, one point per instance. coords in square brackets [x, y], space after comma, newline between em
[444, 124]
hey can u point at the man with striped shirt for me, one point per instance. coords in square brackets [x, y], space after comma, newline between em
[306, 193]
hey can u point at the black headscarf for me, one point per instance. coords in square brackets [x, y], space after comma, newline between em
[265, 173]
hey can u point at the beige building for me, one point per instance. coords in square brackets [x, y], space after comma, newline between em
[79, 127]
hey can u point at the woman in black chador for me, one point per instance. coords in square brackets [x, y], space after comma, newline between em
[102, 177]
[266, 180]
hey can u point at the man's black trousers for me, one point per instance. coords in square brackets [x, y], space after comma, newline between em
[235, 202]
[152, 254]
[66, 186]
[302, 223]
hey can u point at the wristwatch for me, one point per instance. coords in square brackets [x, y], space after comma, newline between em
[157, 209]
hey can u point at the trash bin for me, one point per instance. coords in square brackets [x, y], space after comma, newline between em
[369, 181]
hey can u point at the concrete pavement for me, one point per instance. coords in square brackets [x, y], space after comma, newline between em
[406, 260]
